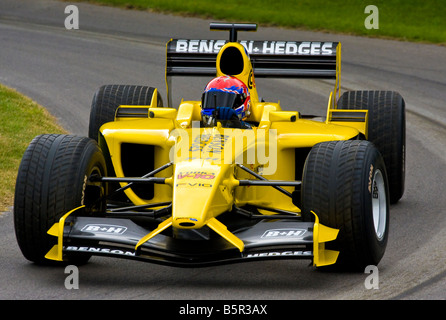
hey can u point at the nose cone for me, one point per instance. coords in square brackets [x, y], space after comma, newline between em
[199, 194]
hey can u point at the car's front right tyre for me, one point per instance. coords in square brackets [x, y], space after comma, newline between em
[52, 180]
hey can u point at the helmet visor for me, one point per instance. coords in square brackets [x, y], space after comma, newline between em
[216, 98]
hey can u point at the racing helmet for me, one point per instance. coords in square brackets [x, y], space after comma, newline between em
[225, 91]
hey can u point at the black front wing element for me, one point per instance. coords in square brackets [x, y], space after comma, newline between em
[117, 237]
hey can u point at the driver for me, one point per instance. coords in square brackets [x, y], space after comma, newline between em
[226, 98]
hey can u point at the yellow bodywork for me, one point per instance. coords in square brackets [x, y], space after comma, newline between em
[203, 181]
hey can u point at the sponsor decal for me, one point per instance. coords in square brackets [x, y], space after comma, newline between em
[370, 178]
[104, 228]
[199, 46]
[244, 146]
[283, 233]
[280, 254]
[208, 143]
[251, 81]
[257, 47]
[188, 179]
[123, 252]
[100, 250]
[188, 184]
[196, 175]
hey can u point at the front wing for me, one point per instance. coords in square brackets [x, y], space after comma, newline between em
[263, 239]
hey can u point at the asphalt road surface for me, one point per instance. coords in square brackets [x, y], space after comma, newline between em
[61, 69]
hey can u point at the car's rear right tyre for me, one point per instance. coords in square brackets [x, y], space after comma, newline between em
[109, 97]
[386, 129]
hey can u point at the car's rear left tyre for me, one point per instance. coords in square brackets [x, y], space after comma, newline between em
[345, 184]
[52, 180]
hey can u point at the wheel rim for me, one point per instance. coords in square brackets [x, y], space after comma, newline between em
[379, 204]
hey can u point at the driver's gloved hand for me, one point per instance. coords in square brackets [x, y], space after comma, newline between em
[226, 113]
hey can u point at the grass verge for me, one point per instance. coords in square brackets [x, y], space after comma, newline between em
[412, 20]
[21, 120]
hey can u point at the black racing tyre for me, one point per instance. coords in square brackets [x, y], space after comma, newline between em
[386, 129]
[109, 97]
[52, 180]
[345, 184]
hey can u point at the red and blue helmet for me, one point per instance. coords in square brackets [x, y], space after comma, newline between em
[226, 91]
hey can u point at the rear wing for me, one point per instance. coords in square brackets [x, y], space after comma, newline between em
[293, 59]
[274, 59]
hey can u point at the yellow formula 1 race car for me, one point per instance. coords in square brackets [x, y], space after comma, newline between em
[226, 178]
